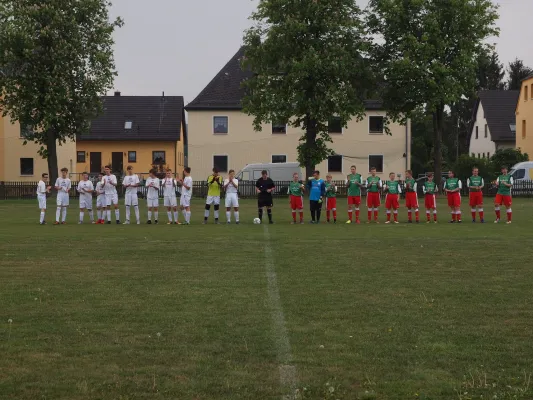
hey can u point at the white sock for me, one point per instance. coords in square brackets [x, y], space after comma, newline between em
[388, 211]
[228, 216]
[149, 215]
[108, 214]
[58, 214]
[99, 214]
[81, 216]
[64, 212]
[128, 213]
[117, 214]
[91, 215]
[169, 215]
[188, 217]
[216, 214]
[137, 216]
[206, 213]
[41, 219]
[176, 216]
[156, 215]
[434, 212]
[236, 213]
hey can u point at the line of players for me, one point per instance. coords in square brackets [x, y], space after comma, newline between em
[320, 190]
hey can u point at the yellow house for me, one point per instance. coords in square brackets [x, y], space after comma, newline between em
[142, 131]
[224, 136]
[22, 163]
[524, 117]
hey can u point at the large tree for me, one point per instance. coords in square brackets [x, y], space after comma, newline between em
[56, 60]
[428, 51]
[308, 63]
[517, 73]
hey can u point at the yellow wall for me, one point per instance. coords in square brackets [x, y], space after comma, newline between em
[12, 150]
[173, 154]
[245, 146]
[524, 116]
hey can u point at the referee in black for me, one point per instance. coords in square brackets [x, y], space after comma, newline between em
[264, 188]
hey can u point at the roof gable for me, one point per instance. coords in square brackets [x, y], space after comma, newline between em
[158, 118]
[499, 107]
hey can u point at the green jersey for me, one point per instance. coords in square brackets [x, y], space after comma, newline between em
[295, 189]
[331, 190]
[430, 187]
[452, 184]
[410, 185]
[351, 183]
[373, 184]
[475, 181]
[502, 189]
[393, 187]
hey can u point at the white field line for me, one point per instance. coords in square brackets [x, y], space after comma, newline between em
[287, 372]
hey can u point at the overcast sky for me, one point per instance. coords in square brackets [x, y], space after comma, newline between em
[178, 46]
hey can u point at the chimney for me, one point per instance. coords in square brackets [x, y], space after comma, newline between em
[163, 95]
[117, 93]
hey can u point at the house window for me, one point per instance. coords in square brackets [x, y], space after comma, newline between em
[335, 163]
[512, 127]
[128, 125]
[26, 166]
[375, 125]
[523, 129]
[220, 125]
[279, 158]
[486, 130]
[488, 155]
[483, 155]
[279, 128]
[132, 156]
[478, 155]
[80, 156]
[526, 94]
[220, 163]
[375, 161]
[335, 125]
[158, 157]
[477, 132]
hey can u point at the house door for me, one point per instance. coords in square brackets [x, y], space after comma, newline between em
[117, 162]
[96, 163]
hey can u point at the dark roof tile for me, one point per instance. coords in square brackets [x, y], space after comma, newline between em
[499, 107]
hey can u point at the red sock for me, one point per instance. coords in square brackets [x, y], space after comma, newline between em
[417, 215]
[474, 215]
[434, 216]
[294, 216]
[396, 216]
[301, 216]
[335, 215]
[509, 215]
[498, 214]
[369, 215]
[481, 215]
[375, 215]
[453, 216]
[410, 215]
[350, 213]
[357, 215]
[428, 215]
[388, 216]
[327, 214]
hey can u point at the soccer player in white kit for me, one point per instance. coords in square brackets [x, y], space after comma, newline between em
[111, 196]
[169, 185]
[62, 186]
[152, 196]
[231, 187]
[86, 189]
[100, 199]
[131, 182]
[42, 189]
[186, 194]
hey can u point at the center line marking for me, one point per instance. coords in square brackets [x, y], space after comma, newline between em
[287, 372]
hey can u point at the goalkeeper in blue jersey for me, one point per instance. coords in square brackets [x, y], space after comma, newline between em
[317, 191]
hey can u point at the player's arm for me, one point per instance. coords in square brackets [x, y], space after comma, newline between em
[113, 181]
[510, 184]
[322, 189]
[91, 188]
[185, 185]
[226, 184]
[482, 183]
[79, 189]
[444, 187]
[399, 189]
[57, 186]
[459, 186]
[415, 187]
[272, 187]
[380, 183]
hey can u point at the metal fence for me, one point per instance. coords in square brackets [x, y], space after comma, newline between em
[27, 190]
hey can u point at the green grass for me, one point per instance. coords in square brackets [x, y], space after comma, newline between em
[183, 312]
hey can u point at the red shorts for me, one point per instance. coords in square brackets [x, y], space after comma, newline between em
[430, 201]
[476, 199]
[331, 203]
[454, 199]
[391, 201]
[372, 199]
[411, 200]
[504, 199]
[354, 200]
[297, 203]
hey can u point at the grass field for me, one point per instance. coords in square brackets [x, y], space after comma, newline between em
[260, 312]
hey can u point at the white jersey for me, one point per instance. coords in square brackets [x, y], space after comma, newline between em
[187, 182]
[131, 180]
[83, 186]
[229, 187]
[169, 187]
[100, 190]
[41, 189]
[108, 187]
[153, 191]
[64, 185]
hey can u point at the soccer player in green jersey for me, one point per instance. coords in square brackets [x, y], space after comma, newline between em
[373, 201]
[452, 187]
[476, 183]
[503, 197]
[296, 192]
[331, 199]
[354, 183]
[430, 202]
[392, 201]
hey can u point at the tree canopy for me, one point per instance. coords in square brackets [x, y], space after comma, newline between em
[517, 73]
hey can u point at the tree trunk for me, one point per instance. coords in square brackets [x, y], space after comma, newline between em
[310, 143]
[437, 139]
[51, 148]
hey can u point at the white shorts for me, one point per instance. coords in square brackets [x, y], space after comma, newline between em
[42, 202]
[232, 200]
[131, 199]
[62, 200]
[213, 200]
[153, 202]
[86, 203]
[101, 201]
[171, 201]
[111, 199]
[185, 201]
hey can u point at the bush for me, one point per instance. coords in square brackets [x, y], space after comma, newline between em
[507, 158]
[464, 165]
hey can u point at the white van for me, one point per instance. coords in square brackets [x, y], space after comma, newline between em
[522, 171]
[276, 171]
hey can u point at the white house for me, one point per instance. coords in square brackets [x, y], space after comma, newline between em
[494, 124]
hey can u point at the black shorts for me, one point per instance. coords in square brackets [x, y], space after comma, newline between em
[265, 202]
